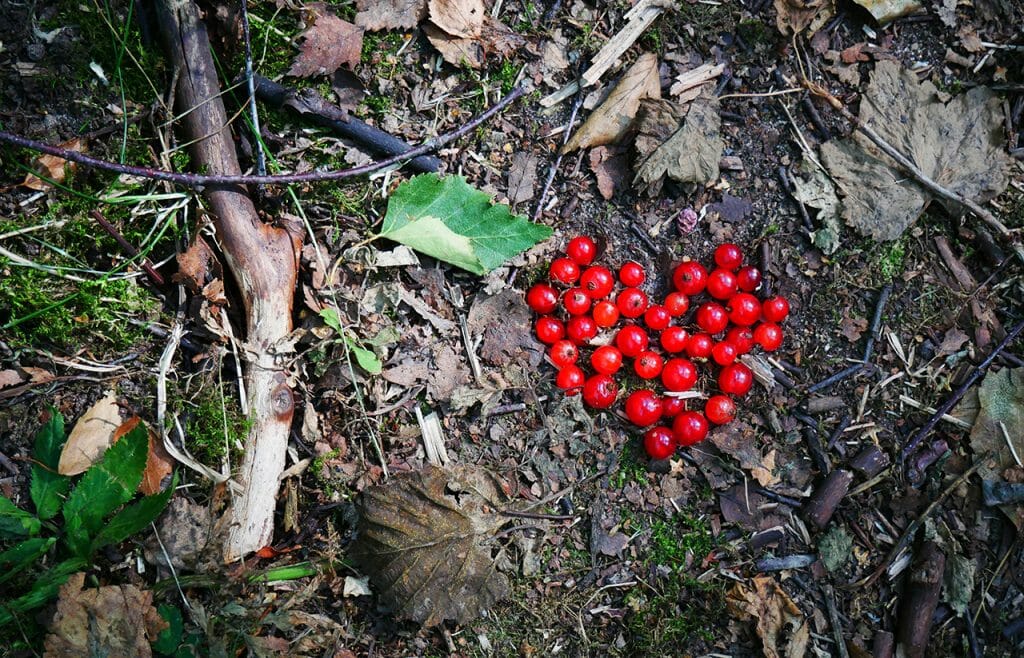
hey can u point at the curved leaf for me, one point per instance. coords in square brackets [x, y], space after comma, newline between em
[48, 487]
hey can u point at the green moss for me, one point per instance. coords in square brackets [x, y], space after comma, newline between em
[683, 611]
[210, 414]
[890, 258]
[632, 467]
[755, 33]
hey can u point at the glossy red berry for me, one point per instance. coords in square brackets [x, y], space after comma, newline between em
[735, 379]
[659, 443]
[690, 427]
[632, 274]
[748, 278]
[564, 353]
[744, 309]
[648, 365]
[724, 353]
[606, 360]
[582, 250]
[676, 303]
[542, 298]
[712, 318]
[769, 336]
[742, 339]
[679, 375]
[599, 391]
[720, 409]
[575, 301]
[597, 281]
[632, 302]
[699, 346]
[570, 379]
[549, 330]
[722, 284]
[671, 406]
[674, 339]
[775, 309]
[643, 407]
[605, 313]
[581, 329]
[728, 256]
[689, 278]
[564, 270]
[631, 340]
[657, 317]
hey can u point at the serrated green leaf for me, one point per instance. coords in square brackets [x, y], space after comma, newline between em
[43, 590]
[16, 522]
[169, 638]
[134, 518]
[48, 487]
[448, 219]
[366, 359]
[108, 484]
[19, 556]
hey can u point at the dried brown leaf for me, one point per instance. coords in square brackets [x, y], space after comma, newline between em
[376, 15]
[494, 37]
[10, 378]
[326, 44]
[886, 11]
[522, 177]
[783, 630]
[197, 265]
[159, 464]
[53, 167]
[459, 18]
[794, 16]
[656, 121]
[691, 154]
[91, 436]
[610, 165]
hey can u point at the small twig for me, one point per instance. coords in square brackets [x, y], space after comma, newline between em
[836, 378]
[777, 497]
[876, 322]
[766, 265]
[577, 103]
[844, 422]
[834, 620]
[261, 159]
[127, 247]
[808, 106]
[537, 515]
[972, 638]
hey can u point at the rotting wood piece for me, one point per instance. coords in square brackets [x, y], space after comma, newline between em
[263, 259]
[920, 600]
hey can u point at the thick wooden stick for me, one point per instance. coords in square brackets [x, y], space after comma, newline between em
[264, 260]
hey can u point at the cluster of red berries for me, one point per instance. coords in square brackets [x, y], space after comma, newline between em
[728, 325]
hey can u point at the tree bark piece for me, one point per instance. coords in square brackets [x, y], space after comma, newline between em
[826, 498]
[920, 600]
[264, 261]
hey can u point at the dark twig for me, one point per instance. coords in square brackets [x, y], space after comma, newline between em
[197, 180]
[837, 433]
[577, 103]
[876, 322]
[261, 158]
[777, 497]
[127, 247]
[972, 638]
[552, 10]
[924, 430]
[836, 378]
[808, 106]
[834, 620]
[537, 515]
[766, 264]
[817, 452]
[826, 498]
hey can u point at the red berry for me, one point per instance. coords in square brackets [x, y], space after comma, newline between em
[643, 407]
[542, 298]
[564, 270]
[679, 375]
[632, 302]
[549, 329]
[605, 313]
[744, 309]
[659, 442]
[748, 278]
[576, 301]
[728, 256]
[735, 379]
[768, 335]
[632, 274]
[724, 353]
[599, 391]
[564, 353]
[720, 409]
[690, 427]
[606, 360]
[775, 309]
[570, 379]
[597, 281]
[689, 278]
[582, 250]
[677, 303]
[671, 406]
[712, 317]
[699, 346]
[674, 339]
[657, 317]
[742, 339]
[648, 365]
[722, 284]
[631, 340]
[581, 329]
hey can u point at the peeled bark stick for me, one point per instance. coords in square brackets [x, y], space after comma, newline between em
[310, 105]
[920, 600]
[264, 260]
[870, 461]
[826, 498]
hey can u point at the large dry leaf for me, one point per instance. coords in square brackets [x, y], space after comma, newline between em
[91, 436]
[459, 18]
[494, 37]
[612, 118]
[886, 11]
[1000, 423]
[783, 630]
[959, 145]
[327, 44]
[691, 154]
[390, 14]
[53, 167]
[793, 16]
[197, 265]
[813, 187]
[423, 540]
[111, 621]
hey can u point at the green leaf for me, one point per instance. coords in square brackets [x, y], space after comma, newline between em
[48, 487]
[366, 359]
[169, 638]
[452, 221]
[108, 484]
[16, 522]
[19, 556]
[331, 319]
[43, 590]
[134, 518]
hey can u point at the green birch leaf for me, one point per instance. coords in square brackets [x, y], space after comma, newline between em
[448, 219]
[48, 487]
[19, 556]
[134, 517]
[16, 522]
